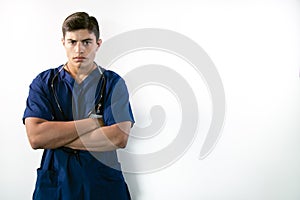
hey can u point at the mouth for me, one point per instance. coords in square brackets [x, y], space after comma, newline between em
[79, 59]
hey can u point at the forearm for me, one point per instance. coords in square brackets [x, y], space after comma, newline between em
[93, 141]
[44, 134]
[106, 138]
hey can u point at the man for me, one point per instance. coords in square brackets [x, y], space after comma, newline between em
[79, 114]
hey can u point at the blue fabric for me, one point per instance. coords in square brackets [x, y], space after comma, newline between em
[70, 175]
[75, 99]
[67, 174]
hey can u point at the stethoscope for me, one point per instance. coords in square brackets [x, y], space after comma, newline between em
[94, 112]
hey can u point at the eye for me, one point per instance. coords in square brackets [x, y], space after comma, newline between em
[72, 42]
[86, 43]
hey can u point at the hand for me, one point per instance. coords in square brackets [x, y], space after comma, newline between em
[101, 122]
[98, 118]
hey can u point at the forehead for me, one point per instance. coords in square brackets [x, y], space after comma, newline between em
[80, 34]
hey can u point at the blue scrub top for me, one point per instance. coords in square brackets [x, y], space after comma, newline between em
[71, 174]
[75, 99]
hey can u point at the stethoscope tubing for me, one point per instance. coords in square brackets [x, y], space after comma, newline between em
[94, 112]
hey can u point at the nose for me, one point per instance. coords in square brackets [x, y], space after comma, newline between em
[79, 48]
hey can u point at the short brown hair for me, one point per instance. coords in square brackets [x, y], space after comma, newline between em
[81, 20]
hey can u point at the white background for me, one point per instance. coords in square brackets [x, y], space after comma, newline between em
[255, 47]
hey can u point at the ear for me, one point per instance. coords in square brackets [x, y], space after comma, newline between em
[99, 42]
[63, 41]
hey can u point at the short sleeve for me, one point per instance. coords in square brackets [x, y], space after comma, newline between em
[37, 104]
[117, 106]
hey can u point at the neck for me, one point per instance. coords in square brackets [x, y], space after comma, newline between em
[79, 73]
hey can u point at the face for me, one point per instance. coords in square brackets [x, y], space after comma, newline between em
[81, 47]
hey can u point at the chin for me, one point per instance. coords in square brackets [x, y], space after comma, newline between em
[78, 64]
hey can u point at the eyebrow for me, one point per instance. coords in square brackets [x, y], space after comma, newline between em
[84, 40]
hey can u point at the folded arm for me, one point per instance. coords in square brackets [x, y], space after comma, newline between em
[106, 138]
[85, 134]
[43, 134]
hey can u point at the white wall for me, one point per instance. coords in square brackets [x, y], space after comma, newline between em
[255, 47]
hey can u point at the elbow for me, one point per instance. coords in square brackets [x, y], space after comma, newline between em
[121, 135]
[34, 143]
[122, 141]
[34, 135]
[35, 140]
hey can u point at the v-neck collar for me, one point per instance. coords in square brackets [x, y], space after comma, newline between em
[93, 75]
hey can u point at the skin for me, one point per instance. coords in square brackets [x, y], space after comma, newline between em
[86, 134]
[81, 47]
